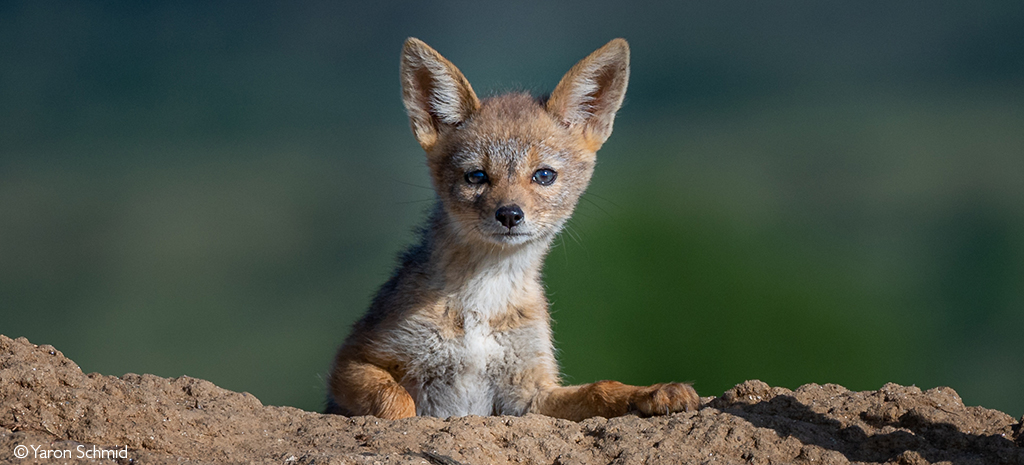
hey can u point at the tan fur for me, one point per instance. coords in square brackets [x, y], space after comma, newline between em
[462, 327]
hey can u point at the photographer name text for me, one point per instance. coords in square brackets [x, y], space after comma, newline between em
[81, 452]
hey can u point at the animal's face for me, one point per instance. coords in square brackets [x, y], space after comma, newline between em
[510, 174]
[510, 169]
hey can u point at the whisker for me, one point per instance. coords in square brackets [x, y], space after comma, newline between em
[599, 207]
[572, 234]
[588, 194]
[565, 251]
[412, 185]
[407, 202]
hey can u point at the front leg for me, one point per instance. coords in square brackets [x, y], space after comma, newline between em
[612, 399]
[359, 387]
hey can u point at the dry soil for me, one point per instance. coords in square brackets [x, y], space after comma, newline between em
[49, 406]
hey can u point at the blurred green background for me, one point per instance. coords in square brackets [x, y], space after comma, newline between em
[796, 191]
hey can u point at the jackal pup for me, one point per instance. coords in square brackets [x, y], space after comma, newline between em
[462, 327]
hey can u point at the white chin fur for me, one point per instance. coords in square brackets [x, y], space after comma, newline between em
[510, 239]
[495, 234]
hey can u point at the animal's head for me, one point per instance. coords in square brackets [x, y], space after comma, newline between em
[510, 169]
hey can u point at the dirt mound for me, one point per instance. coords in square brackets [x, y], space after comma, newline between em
[60, 415]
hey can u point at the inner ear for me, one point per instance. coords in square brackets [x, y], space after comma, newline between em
[599, 98]
[424, 82]
[590, 104]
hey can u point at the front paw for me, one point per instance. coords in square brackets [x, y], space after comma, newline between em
[663, 399]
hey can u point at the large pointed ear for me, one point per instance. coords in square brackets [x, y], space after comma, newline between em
[591, 92]
[435, 92]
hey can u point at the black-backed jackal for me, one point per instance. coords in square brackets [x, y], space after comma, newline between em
[462, 327]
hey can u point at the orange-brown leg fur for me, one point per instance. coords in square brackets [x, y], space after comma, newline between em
[361, 388]
[612, 398]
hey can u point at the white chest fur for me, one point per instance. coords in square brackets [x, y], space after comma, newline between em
[468, 367]
[469, 373]
[461, 375]
[472, 371]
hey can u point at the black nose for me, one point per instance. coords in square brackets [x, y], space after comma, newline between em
[509, 215]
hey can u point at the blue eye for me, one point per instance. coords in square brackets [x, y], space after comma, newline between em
[544, 177]
[476, 177]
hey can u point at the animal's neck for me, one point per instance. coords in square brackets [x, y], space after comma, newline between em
[487, 279]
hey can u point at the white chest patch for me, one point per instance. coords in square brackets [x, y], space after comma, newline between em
[473, 372]
[471, 388]
[461, 375]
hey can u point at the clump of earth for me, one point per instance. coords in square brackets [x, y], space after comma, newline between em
[51, 412]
